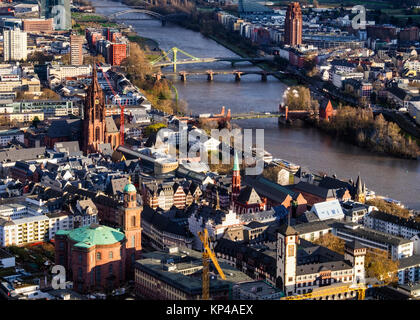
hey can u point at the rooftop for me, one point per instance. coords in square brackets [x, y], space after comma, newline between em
[167, 267]
[92, 235]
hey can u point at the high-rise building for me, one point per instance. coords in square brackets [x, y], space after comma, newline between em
[15, 44]
[117, 53]
[59, 10]
[76, 50]
[293, 25]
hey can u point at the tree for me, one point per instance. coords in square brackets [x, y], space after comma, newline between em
[298, 98]
[65, 59]
[39, 57]
[390, 208]
[35, 122]
[332, 242]
[93, 59]
[379, 266]
[48, 94]
[153, 128]
[136, 64]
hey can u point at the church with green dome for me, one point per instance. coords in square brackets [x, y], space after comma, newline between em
[99, 257]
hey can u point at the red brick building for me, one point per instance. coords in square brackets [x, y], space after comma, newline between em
[97, 128]
[293, 25]
[117, 53]
[98, 257]
[37, 25]
[312, 193]
[326, 110]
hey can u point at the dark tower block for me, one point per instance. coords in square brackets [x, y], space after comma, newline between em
[293, 25]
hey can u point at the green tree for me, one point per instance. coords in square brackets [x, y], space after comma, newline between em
[35, 122]
[153, 128]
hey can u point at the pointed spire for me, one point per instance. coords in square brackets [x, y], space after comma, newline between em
[236, 163]
[359, 188]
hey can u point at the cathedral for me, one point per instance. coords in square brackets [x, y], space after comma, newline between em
[97, 128]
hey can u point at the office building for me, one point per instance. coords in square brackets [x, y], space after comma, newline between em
[59, 10]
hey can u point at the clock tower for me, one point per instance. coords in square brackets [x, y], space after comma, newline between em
[287, 242]
[131, 226]
[94, 116]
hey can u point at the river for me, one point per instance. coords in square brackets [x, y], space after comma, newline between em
[387, 176]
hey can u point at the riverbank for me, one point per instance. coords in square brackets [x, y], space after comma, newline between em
[309, 147]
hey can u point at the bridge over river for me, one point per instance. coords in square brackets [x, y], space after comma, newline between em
[211, 73]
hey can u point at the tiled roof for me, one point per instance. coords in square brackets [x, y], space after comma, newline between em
[269, 189]
[110, 126]
[313, 189]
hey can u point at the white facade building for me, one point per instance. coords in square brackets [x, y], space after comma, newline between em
[15, 45]
[216, 224]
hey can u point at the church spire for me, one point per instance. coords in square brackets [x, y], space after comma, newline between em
[236, 162]
[236, 178]
[360, 194]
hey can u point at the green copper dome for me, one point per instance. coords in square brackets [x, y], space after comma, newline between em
[129, 188]
[95, 234]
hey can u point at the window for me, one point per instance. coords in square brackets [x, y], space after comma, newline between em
[133, 241]
[98, 256]
[98, 274]
[110, 269]
[111, 254]
[133, 221]
[80, 258]
[291, 251]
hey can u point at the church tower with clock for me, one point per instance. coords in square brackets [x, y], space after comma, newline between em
[94, 116]
[287, 242]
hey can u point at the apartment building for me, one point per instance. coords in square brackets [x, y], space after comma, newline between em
[76, 50]
[15, 44]
[396, 247]
[392, 224]
[409, 270]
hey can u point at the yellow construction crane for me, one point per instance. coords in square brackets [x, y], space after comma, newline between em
[360, 289]
[208, 253]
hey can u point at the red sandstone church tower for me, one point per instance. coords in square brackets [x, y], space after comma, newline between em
[97, 129]
[94, 116]
[293, 25]
[236, 178]
[131, 226]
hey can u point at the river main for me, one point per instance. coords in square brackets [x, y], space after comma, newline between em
[387, 176]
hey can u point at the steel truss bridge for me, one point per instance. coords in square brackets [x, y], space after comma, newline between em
[153, 15]
[170, 58]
